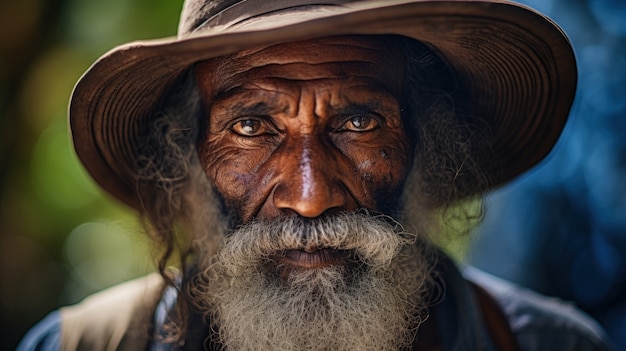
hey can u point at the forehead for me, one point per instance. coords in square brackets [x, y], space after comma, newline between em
[373, 59]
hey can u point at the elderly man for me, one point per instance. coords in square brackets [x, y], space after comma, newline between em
[295, 159]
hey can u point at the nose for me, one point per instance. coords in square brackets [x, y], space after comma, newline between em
[310, 183]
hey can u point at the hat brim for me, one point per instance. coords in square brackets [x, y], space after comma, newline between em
[518, 64]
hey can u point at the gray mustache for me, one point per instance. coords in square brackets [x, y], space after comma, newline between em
[376, 239]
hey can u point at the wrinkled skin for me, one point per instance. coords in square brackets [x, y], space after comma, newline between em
[305, 128]
[308, 129]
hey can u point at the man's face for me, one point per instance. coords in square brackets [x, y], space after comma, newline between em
[300, 136]
[305, 128]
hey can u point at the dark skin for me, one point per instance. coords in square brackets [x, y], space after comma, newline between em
[306, 129]
[293, 131]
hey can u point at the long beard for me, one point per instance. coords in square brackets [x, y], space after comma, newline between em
[374, 300]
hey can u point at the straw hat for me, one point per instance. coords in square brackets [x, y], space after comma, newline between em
[517, 64]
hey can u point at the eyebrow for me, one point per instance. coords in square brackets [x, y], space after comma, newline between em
[371, 103]
[256, 107]
[356, 108]
[263, 107]
[253, 109]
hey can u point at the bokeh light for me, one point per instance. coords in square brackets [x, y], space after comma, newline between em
[101, 254]
[61, 237]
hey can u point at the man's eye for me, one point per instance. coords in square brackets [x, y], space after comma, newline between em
[248, 127]
[360, 124]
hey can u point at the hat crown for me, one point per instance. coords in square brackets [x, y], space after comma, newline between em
[205, 14]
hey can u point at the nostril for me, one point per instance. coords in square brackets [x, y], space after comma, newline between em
[288, 213]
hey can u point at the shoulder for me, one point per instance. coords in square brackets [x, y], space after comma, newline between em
[540, 322]
[120, 315]
[123, 298]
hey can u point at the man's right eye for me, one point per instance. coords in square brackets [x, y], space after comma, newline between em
[249, 127]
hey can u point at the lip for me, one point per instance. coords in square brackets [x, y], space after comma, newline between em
[321, 258]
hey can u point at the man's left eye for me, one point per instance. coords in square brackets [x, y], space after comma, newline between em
[360, 124]
[249, 127]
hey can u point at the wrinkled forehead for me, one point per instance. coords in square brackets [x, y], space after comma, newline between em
[378, 59]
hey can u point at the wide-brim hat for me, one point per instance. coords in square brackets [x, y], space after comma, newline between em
[517, 65]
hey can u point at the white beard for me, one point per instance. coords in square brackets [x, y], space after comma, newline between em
[374, 303]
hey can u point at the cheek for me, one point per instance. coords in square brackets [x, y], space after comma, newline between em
[382, 170]
[229, 167]
[383, 166]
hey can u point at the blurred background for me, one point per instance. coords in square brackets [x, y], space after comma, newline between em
[561, 228]
[62, 238]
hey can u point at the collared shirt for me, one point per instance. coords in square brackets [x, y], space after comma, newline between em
[538, 322]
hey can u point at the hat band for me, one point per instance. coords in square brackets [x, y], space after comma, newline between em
[244, 10]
